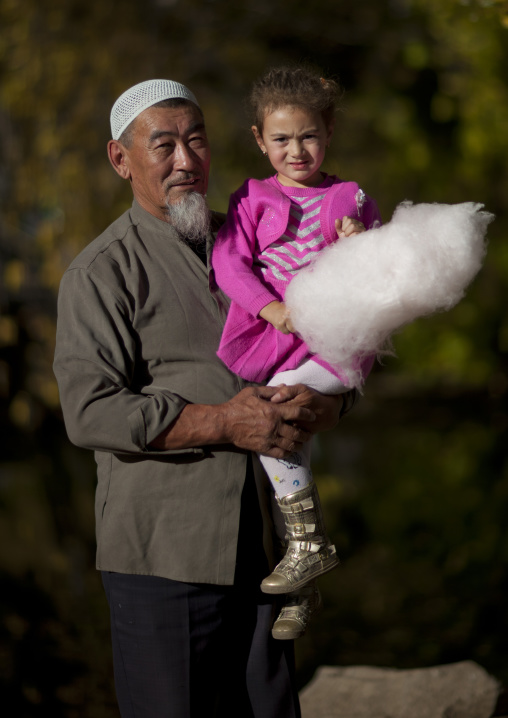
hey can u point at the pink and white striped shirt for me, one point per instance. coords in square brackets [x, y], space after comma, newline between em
[303, 237]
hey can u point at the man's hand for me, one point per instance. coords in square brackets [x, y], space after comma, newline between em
[327, 409]
[250, 420]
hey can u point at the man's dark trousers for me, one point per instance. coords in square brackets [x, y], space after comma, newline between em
[195, 650]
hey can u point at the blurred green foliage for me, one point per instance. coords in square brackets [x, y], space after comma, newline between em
[415, 480]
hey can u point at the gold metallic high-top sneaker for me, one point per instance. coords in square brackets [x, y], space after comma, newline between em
[310, 552]
[296, 613]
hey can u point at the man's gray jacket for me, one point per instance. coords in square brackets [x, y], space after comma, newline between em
[139, 322]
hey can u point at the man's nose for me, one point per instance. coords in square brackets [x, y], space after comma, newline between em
[183, 157]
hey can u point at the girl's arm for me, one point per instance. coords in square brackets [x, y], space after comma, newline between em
[232, 260]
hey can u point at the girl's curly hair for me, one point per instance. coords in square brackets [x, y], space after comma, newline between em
[294, 87]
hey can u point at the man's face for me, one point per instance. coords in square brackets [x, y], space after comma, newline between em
[169, 157]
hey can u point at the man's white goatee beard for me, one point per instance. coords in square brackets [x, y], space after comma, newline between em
[191, 218]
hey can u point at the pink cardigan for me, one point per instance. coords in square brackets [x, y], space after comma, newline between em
[258, 215]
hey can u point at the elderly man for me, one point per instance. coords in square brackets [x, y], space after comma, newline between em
[181, 519]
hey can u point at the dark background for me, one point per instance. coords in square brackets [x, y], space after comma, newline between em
[415, 480]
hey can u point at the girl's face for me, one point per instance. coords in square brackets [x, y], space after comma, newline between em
[295, 140]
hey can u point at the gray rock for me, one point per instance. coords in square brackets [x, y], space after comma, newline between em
[458, 690]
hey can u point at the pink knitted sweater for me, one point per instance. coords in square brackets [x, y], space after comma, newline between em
[258, 216]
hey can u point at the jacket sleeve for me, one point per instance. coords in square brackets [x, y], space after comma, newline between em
[233, 259]
[95, 368]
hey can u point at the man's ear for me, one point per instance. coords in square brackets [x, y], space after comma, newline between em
[118, 156]
[259, 139]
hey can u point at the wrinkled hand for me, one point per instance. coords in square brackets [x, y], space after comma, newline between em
[252, 421]
[326, 409]
[348, 227]
[277, 314]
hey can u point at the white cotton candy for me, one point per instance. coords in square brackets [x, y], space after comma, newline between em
[361, 289]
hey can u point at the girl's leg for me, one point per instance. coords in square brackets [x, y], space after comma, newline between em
[294, 473]
[312, 375]
[310, 552]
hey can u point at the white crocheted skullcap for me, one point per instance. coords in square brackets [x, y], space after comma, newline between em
[140, 97]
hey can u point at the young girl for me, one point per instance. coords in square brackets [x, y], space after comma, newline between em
[274, 228]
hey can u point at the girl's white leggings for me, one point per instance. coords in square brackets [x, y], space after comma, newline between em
[292, 474]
